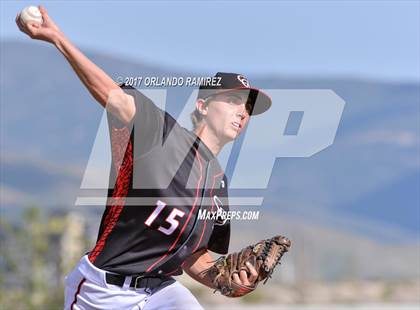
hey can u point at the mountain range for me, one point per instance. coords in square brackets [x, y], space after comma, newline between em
[366, 183]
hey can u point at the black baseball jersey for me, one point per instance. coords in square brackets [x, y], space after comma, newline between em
[161, 176]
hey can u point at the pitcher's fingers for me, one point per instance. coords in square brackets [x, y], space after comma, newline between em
[43, 10]
[30, 30]
[18, 23]
[236, 278]
[33, 25]
[44, 13]
[253, 272]
[243, 275]
[22, 26]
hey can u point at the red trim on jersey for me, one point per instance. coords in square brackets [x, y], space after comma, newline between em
[118, 195]
[120, 138]
[212, 206]
[188, 218]
[77, 293]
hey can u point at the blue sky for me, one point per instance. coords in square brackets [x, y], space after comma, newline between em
[377, 39]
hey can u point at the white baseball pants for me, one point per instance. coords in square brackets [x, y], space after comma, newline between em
[86, 288]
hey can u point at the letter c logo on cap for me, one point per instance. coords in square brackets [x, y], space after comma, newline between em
[243, 80]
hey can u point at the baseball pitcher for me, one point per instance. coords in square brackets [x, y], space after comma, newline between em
[162, 175]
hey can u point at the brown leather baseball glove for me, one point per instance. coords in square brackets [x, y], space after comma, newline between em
[263, 256]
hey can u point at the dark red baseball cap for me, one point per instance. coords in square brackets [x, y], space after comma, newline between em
[227, 82]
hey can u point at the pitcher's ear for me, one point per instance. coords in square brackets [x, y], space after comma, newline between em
[202, 106]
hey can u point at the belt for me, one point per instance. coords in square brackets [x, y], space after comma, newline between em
[137, 282]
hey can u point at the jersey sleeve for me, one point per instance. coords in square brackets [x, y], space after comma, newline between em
[147, 123]
[219, 239]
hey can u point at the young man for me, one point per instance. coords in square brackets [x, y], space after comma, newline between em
[163, 175]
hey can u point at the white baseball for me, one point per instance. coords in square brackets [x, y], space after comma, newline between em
[31, 14]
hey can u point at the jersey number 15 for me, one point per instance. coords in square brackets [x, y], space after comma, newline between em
[160, 205]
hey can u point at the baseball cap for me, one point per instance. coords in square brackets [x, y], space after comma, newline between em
[228, 82]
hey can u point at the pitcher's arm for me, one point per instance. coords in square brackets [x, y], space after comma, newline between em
[98, 83]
